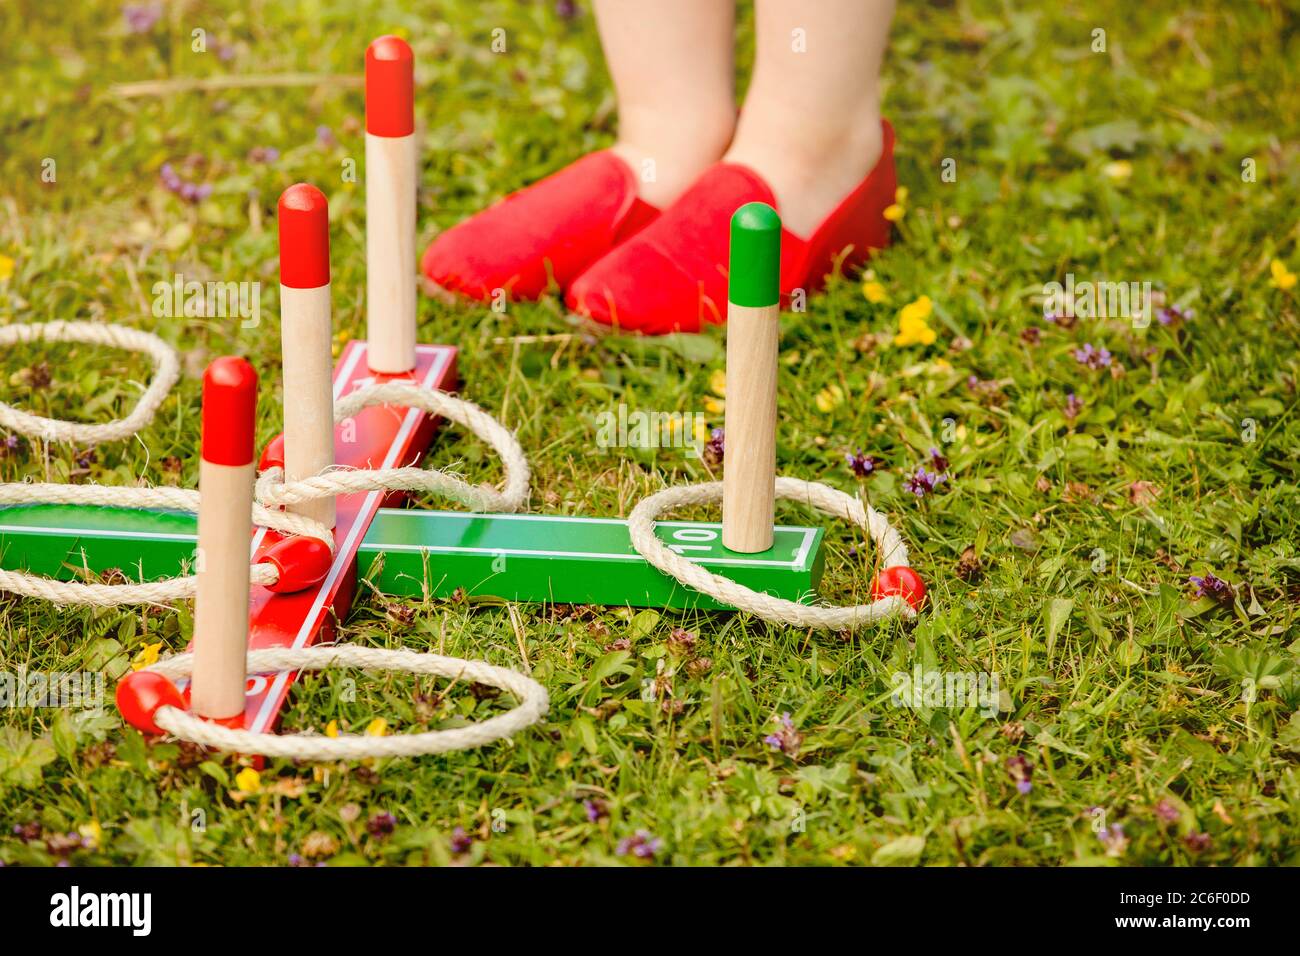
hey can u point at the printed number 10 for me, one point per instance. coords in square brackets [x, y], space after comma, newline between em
[693, 534]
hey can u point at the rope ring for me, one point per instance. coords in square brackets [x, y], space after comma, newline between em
[165, 591]
[827, 500]
[273, 490]
[464, 413]
[532, 706]
[166, 373]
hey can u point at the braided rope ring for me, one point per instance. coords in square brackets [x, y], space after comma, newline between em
[827, 500]
[272, 489]
[532, 706]
[166, 373]
[167, 590]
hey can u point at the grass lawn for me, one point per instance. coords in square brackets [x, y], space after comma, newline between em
[1136, 722]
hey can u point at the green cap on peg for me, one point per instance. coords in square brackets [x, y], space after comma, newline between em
[754, 274]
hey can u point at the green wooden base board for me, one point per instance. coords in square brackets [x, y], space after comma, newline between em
[571, 560]
[530, 558]
[60, 540]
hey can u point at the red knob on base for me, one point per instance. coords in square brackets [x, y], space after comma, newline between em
[901, 581]
[141, 693]
[301, 561]
[272, 454]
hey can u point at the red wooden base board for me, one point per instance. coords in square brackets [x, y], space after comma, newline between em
[379, 437]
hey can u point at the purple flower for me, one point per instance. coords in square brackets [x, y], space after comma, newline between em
[1166, 811]
[1091, 357]
[12, 441]
[986, 389]
[1022, 772]
[1113, 838]
[190, 192]
[1198, 842]
[460, 841]
[225, 52]
[566, 9]
[923, 482]
[1174, 315]
[642, 844]
[596, 809]
[263, 154]
[142, 17]
[296, 859]
[716, 446]
[28, 831]
[786, 739]
[1213, 587]
[864, 466]
[939, 461]
[1073, 406]
[381, 824]
[325, 137]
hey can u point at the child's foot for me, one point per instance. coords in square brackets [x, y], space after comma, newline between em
[673, 275]
[543, 235]
[547, 234]
[809, 171]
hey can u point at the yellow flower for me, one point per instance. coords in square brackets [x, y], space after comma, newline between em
[92, 834]
[1119, 170]
[912, 327]
[830, 397]
[718, 382]
[875, 292]
[377, 728]
[918, 310]
[714, 406]
[332, 729]
[248, 780]
[148, 656]
[6, 268]
[898, 209]
[914, 333]
[1283, 278]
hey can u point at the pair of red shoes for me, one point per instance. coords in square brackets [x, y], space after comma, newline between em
[622, 262]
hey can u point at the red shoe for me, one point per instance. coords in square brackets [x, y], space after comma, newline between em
[673, 276]
[551, 231]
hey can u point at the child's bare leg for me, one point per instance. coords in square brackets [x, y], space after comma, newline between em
[672, 66]
[811, 121]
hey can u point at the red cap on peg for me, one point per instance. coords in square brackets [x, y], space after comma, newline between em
[390, 87]
[229, 411]
[304, 217]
